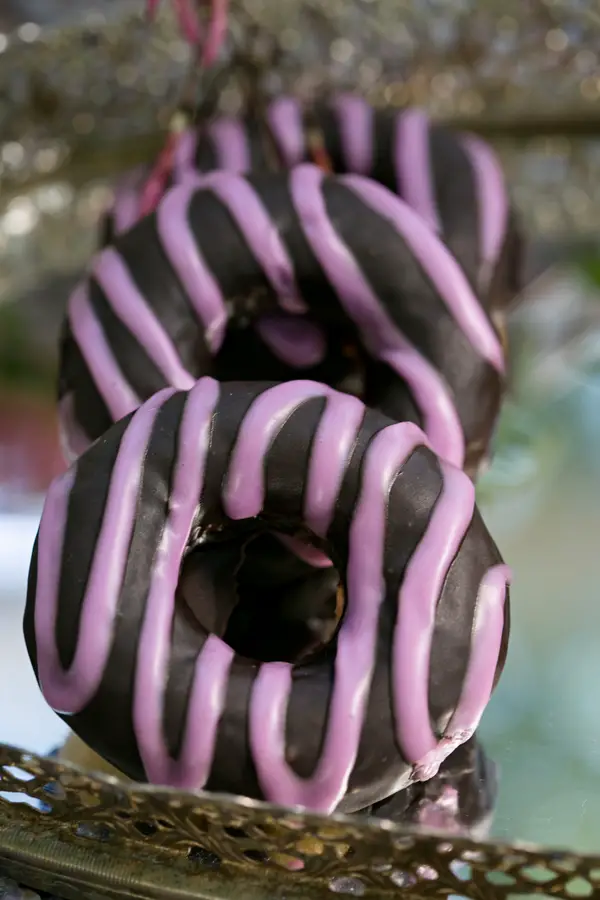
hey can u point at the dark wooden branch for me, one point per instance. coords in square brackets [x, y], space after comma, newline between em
[528, 125]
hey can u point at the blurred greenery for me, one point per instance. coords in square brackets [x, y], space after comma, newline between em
[588, 262]
[23, 367]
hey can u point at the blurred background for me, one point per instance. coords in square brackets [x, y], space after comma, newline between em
[540, 497]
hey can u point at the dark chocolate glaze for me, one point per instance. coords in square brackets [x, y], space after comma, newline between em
[459, 801]
[414, 511]
[446, 162]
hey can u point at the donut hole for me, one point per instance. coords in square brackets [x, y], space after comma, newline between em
[271, 596]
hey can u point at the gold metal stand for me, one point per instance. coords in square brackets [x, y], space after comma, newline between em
[95, 837]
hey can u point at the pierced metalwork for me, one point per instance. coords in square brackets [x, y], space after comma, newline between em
[85, 836]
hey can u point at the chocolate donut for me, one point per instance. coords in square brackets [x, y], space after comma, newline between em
[140, 557]
[452, 179]
[155, 309]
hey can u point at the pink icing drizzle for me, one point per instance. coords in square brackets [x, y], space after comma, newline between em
[297, 342]
[380, 334]
[130, 306]
[355, 117]
[492, 202]
[116, 392]
[413, 165]
[479, 680]
[230, 138]
[487, 641]
[208, 693]
[261, 233]
[355, 657]
[243, 497]
[440, 265]
[306, 552]
[70, 691]
[184, 154]
[421, 587]
[73, 440]
[200, 285]
[284, 116]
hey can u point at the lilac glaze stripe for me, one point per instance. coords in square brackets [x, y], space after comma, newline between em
[421, 588]
[305, 552]
[115, 390]
[479, 678]
[440, 266]
[296, 342]
[130, 306]
[126, 208]
[51, 537]
[377, 329]
[355, 119]
[492, 202]
[413, 165]
[178, 242]
[230, 139]
[285, 120]
[244, 487]
[69, 691]
[355, 657]
[208, 693]
[184, 155]
[485, 651]
[331, 451]
[432, 396]
[260, 233]
[73, 440]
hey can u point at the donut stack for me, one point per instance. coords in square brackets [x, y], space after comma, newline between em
[264, 572]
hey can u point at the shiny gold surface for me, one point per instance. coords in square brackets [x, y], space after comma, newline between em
[98, 837]
[76, 753]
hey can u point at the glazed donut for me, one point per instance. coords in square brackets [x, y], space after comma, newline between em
[138, 563]
[452, 179]
[155, 309]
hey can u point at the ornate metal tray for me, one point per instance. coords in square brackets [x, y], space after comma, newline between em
[80, 102]
[93, 837]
